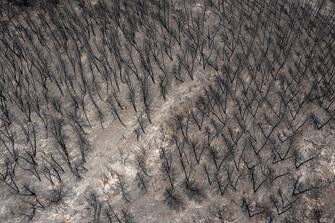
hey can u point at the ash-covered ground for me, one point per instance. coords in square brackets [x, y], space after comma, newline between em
[167, 111]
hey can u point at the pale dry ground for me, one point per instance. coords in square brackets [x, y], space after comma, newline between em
[108, 142]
